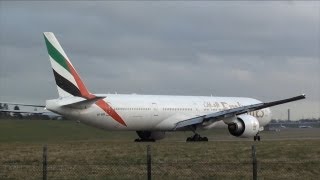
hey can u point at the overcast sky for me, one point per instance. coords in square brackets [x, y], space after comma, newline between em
[264, 50]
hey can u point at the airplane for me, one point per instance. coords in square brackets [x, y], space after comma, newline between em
[282, 126]
[151, 116]
[305, 126]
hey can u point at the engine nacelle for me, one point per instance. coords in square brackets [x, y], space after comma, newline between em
[244, 126]
[156, 135]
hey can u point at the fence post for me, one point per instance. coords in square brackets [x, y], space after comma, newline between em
[149, 162]
[254, 163]
[44, 163]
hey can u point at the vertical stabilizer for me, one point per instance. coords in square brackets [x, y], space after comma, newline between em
[69, 83]
[67, 79]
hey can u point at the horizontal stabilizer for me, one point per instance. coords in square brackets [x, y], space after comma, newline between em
[79, 102]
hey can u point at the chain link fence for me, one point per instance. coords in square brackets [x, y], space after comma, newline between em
[150, 167]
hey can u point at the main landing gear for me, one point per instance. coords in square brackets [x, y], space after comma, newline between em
[256, 137]
[144, 140]
[196, 138]
[145, 136]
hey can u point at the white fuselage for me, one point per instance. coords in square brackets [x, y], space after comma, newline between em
[156, 112]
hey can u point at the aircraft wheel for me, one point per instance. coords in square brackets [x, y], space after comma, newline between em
[144, 140]
[204, 139]
[196, 137]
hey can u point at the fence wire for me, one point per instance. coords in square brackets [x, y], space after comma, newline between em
[162, 167]
[165, 170]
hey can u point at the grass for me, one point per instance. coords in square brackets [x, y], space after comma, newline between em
[44, 131]
[76, 151]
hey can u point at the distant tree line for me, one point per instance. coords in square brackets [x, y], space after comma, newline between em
[305, 120]
[312, 122]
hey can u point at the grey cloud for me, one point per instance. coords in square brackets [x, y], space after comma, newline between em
[266, 50]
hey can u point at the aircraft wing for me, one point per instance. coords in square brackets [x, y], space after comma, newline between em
[23, 111]
[233, 112]
[23, 104]
[18, 111]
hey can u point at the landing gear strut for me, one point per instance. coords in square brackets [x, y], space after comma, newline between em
[196, 138]
[145, 136]
[256, 137]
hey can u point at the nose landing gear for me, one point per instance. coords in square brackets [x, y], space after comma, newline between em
[256, 137]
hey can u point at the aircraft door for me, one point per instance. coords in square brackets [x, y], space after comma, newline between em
[155, 111]
[196, 109]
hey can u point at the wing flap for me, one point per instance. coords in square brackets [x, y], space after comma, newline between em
[189, 122]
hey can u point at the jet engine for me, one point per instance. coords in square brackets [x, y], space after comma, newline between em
[155, 135]
[244, 126]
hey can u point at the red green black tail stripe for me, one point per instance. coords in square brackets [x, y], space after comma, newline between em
[77, 87]
[66, 85]
[56, 55]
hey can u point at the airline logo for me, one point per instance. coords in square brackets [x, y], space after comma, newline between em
[68, 80]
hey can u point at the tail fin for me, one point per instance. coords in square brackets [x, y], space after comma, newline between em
[67, 79]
